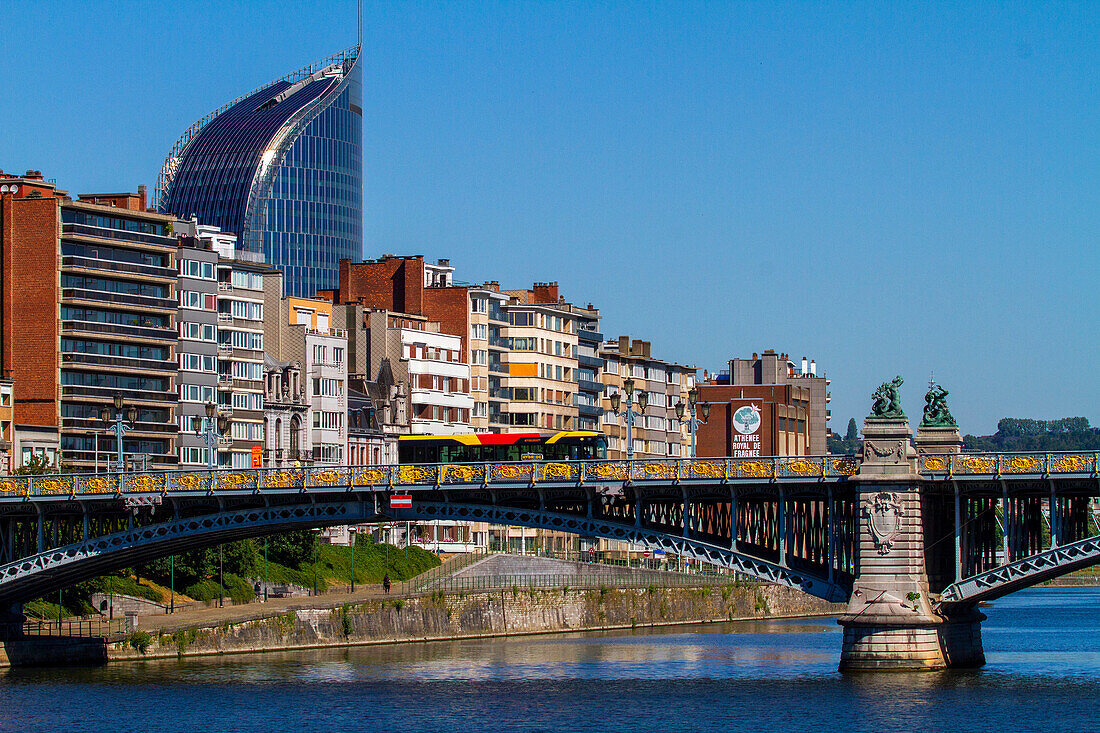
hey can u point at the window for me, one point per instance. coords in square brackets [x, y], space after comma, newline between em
[247, 401]
[127, 287]
[249, 280]
[196, 269]
[337, 355]
[479, 305]
[247, 370]
[524, 344]
[479, 356]
[325, 420]
[326, 387]
[245, 340]
[479, 331]
[247, 431]
[521, 319]
[198, 363]
[198, 331]
[197, 393]
[481, 409]
[246, 310]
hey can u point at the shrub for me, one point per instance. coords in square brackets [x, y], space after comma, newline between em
[140, 640]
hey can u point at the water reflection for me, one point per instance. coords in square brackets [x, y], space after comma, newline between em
[1043, 650]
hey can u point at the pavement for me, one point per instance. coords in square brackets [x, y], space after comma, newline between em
[201, 617]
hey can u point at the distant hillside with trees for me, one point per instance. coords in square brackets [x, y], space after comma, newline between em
[1022, 434]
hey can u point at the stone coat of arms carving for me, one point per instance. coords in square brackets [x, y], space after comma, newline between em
[884, 514]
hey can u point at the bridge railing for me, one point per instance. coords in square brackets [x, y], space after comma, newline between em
[1009, 464]
[531, 472]
[431, 475]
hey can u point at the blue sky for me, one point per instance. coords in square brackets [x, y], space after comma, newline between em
[886, 188]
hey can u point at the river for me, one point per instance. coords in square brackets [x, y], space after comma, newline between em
[1043, 673]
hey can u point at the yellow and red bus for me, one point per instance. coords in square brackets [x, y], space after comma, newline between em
[569, 445]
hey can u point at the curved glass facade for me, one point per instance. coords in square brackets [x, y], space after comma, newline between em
[282, 168]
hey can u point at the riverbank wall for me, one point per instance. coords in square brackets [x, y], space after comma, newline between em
[440, 616]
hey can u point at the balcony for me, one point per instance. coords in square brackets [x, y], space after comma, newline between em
[587, 385]
[103, 296]
[589, 410]
[97, 425]
[111, 266]
[117, 362]
[592, 362]
[225, 318]
[106, 394]
[593, 337]
[119, 329]
[117, 235]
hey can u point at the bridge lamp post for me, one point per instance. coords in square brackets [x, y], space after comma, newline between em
[629, 413]
[693, 423]
[211, 431]
[120, 419]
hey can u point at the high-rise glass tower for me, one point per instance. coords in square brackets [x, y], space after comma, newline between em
[281, 167]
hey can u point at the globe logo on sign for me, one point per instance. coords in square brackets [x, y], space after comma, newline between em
[747, 419]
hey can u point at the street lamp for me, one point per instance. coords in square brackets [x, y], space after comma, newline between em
[120, 428]
[629, 413]
[210, 430]
[693, 422]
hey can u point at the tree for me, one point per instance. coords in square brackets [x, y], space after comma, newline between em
[853, 431]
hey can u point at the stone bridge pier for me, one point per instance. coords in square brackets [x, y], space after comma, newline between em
[890, 623]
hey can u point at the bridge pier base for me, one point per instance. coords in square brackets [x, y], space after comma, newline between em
[890, 623]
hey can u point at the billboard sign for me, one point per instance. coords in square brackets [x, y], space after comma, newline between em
[747, 422]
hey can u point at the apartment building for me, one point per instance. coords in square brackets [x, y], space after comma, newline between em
[197, 346]
[7, 426]
[657, 432]
[303, 331]
[241, 317]
[93, 282]
[542, 361]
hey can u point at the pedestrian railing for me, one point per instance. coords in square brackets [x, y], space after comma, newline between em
[458, 584]
[87, 627]
[449, 567]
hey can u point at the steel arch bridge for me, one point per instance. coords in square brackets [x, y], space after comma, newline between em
[991, 523]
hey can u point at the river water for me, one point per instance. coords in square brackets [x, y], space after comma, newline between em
[1043, 673]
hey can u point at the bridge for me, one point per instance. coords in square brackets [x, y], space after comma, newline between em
[911, 538]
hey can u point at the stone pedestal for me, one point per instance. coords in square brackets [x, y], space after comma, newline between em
[889, 623]
[937, 440]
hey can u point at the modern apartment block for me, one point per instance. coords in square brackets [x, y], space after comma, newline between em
[197, 349]
[241, 317]
[88, 309]
[657, 433]
[542, 361]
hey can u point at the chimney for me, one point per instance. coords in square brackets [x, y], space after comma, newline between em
[141, 197]
[624, 344]
[805, 366]
[813, 368]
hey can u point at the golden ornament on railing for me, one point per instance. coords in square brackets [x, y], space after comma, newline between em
[145, 483]
[707, 469]
[55, 486]
[846, 466]
[802, 467]
[326, 478]
[14, 484]
[464, 474]
[975, 464]
[192, 482]
[606, 471]
[1069, 464]
[507, 471]
[97, 485]
[413, 475]
[281, 479]
[559, 471]
[934, 464]
[755, 469]
[234, 480]
[370, 477]
[1024, 464]
[655, 471]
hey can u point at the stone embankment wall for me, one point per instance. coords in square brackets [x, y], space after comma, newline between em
[471, 615]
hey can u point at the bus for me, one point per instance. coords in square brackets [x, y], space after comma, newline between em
[570, 445]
